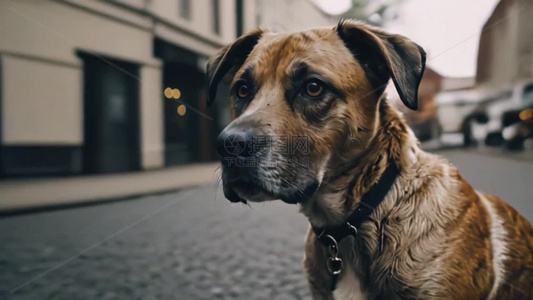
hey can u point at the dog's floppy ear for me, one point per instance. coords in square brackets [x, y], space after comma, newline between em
[227, 58]
[385, 56]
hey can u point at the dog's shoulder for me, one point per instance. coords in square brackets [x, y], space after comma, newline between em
[485, 238]
[512, 250]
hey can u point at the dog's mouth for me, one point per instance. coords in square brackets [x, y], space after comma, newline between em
[244, 191]
[251, 192]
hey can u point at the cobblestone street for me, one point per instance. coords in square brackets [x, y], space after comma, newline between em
[191, 244]
[186, 245]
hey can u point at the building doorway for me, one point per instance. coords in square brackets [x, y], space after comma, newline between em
[182, 132]
[187, 136]
[111, 115]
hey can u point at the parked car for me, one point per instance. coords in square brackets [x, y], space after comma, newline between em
[454, 106]
[453, 112]
[462, 111]
[474, 125]
[514, 99]
[518, 127]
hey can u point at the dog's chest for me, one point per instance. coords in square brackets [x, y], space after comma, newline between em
[349, 287]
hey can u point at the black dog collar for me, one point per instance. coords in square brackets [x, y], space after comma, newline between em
[331, 236]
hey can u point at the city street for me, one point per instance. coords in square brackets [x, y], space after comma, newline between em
[191, 244]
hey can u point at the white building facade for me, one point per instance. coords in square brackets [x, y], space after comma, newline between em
[81, 82]
[505, 53]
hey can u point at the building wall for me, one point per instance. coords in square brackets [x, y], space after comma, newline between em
[201, 20]
[41, 103]
[54, 30]
[151, 118]
[525, 44]
[287, 16]
[506, 49]
[195, 34]
[42, 73]
[42, 95]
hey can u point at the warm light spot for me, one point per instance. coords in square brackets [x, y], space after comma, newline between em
[176, 94]
[168, 93]
[182, 110]
[526, 114]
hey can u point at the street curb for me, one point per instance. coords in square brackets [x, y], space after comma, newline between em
[24, 195]
[522, 156]
[503, 154]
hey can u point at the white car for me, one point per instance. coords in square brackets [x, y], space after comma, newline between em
[520, 95]
[455, 106]
[458, 113]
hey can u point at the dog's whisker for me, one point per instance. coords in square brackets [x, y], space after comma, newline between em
[293, 185]
[218, 184]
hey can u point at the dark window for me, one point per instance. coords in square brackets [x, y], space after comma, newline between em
[240, 16]
[1, 154]
[185, 9]
[184, 134]
[111, 115]
[528, 92]
[506, 94]
[216, 16]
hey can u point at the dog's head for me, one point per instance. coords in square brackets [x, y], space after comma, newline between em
[302, 99]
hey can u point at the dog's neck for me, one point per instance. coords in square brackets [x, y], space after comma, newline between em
[351, 174]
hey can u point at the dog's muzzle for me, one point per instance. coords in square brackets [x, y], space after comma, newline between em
[249, 173]
[239, 155]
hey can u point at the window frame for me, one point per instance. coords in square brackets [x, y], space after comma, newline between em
[185, 9]
[216, 25]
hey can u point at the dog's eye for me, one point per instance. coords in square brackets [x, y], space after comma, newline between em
[314, 88]
[242, 90]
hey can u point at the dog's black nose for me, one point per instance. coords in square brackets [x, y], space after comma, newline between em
[236, 143]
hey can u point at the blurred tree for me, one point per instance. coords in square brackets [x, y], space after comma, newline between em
[376, 12]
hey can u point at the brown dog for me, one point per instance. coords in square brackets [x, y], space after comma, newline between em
[388, 221]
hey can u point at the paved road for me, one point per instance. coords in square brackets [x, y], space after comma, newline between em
[187, 245]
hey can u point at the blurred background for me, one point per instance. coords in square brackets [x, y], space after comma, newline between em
[106, 100]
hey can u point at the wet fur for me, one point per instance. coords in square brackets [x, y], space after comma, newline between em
[429, 239]
[434, 236]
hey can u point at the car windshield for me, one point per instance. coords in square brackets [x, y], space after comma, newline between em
[528, 93]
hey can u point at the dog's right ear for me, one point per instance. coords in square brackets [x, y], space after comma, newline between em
[228, 58]
[384, 56]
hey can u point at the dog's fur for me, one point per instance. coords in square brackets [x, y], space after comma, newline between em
[433, 236]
